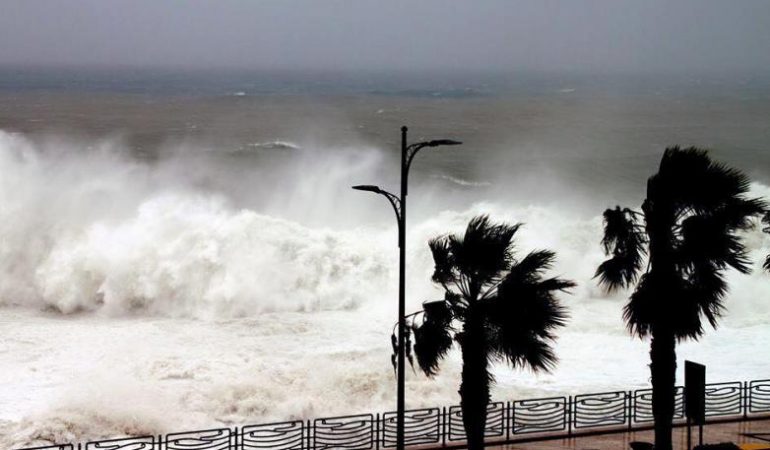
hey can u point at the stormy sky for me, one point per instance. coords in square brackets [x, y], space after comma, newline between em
[493, 35]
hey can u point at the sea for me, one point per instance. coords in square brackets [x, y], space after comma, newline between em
[183, 250]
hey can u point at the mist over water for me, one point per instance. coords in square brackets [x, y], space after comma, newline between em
[186, 279]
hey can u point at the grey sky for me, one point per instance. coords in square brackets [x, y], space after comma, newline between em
[607, 35]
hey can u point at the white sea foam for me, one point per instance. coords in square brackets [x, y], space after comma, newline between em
[276, 145]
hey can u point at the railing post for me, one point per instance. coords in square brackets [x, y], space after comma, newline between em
[746, 396]
[377, 433]
[630, 399]
[310, 436]
[443, 426]
[506, 420]
[569, 416]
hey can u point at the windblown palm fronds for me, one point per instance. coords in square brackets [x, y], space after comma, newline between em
[496, 307]
[675, 250]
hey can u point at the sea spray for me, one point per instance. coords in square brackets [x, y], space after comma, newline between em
[192, 256]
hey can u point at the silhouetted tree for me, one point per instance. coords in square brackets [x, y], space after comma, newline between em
[676, 251]
[496, 307]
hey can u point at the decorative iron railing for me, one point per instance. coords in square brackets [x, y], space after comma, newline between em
[757, 399]
[421, 426]
[135, 443]
[496, 421]
[440, 427]
[539, 415]
[642, 408]
[347, 432]
[274, 436]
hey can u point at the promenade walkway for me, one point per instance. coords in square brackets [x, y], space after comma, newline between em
[712, 434]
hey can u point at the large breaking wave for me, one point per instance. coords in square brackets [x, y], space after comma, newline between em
[87, 229]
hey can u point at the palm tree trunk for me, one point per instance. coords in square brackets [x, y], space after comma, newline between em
[663, 371]
[474, 387]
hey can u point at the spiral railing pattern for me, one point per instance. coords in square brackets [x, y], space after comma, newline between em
[539, 415]
[642, 409]
[421, 426]
[757, 400]
[599, 410]
[724, 399]
[136, 443]
[273, 436]
[214, 439]
[495, 422]
[345, 432]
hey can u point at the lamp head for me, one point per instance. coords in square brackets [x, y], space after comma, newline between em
[439, 142]
[368, 188]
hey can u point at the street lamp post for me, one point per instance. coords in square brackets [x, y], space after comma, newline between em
[399, 207]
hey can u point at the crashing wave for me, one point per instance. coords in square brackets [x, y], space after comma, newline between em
[462, 182]
[275, 145]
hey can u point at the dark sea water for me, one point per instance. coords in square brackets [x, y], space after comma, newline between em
[596, 132]
[190, 245]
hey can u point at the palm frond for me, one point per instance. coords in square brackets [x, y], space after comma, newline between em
[531, 307]
[525, 312]
[689, 179]
[522, 350]
[693, 212]
[444, 266]
[708, 288]
[641, 312]
[540, 356]
[710, 240]
[433, 337]
[408, 346]
[625, 241]
[533, 265]
[743, 214]
[511, 300]
[676, 304]
[483, 252]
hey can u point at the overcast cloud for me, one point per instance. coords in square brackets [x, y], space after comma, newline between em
[495, 35]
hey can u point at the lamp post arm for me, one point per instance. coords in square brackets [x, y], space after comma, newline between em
[395, 202]
[411, 151]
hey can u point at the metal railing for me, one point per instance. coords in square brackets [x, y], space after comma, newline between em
[542, 418]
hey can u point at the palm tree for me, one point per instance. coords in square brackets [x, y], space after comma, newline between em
[675, 250]
[496, 307]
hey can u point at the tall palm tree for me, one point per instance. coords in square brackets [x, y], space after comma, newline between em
[676, 250]
[496, 307]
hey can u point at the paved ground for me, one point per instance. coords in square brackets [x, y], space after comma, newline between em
[715, 433]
